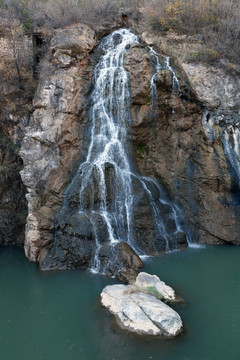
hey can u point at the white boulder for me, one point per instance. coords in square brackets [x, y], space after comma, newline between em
[151, 282]
[140, 312]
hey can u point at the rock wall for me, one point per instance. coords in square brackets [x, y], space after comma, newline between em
[176, 147]
[52, 143]
[172, 145]
[13, 207]
[15, 106]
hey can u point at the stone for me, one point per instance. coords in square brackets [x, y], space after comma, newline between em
[171, 146]
[181, 240]
[53, 139]
[42, 255]
[145, 280]
[191, 165]
[139, 312]
[212, 86]
[78, 38]
[137, 63]
[181, 145]
[74, 245]
[119, 260]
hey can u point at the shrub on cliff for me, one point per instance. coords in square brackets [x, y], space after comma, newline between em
[205, 54]
[59, 13]
[216, 21]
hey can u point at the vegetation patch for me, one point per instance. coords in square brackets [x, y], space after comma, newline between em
[4, 169]
[142, 149]
[46, 196]
[203, 55]
[153, 291]
[215, 22]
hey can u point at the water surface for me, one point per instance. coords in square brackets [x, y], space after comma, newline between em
[57, 316]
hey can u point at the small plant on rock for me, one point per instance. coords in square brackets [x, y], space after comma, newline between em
[153, 291]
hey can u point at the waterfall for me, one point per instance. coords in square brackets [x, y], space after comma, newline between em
[231, 144]
[227, 129]
[106, 193]
[159, 65]
[174, 214]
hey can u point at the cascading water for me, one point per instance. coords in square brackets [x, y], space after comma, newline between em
[161, 62]
[231, 143]
[227, 129]
[103, 199]
[174, 214]
[111, 119]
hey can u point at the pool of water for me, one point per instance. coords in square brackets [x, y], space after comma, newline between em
[57, 316]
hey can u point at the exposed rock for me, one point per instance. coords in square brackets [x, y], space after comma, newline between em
[77, 39]
[137, 63]
[74, 247]
[140, 312]
[53, 139]
[120, 260]
[145, 280]
[181, 240]
[170, 145]
[213, 87]
[13, 207]
[176, 148]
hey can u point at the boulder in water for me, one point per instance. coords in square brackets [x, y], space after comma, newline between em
[153, 284]
[140, 312]
[120, 260]
[181, 240]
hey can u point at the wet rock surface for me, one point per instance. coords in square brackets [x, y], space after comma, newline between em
[74, 247]
[120, 260]
[53, 139]
[173, 146]
[178, 141]
[13, 206]
[95, 211]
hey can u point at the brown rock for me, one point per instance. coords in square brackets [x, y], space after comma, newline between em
[53, 138]
[194, 170]
[120, 260]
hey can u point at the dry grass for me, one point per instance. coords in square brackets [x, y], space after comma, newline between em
[216, 22]
[59, 13]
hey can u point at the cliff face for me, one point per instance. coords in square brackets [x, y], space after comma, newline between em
[53, 140]
[184, 143]
[15, 106]
[187, 139]
[13, 207]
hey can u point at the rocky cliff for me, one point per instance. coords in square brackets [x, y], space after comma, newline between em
[186, 139]
[13, 207]
[184, 144]
[15, 108]
[52, 143]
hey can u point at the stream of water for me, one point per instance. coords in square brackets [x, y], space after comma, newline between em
[108, 186]
[46, 316]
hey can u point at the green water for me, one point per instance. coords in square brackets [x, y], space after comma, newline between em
[57, 316]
